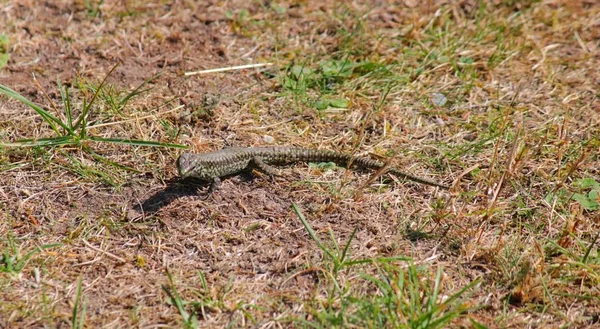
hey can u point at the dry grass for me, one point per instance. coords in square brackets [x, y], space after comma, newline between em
[514, 241]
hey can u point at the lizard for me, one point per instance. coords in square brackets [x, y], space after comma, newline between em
[211, 166]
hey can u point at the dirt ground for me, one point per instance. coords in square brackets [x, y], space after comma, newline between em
[516, 132]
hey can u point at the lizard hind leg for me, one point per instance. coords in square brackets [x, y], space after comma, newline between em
[259, 164]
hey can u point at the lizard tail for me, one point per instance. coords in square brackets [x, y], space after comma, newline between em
[375, 164]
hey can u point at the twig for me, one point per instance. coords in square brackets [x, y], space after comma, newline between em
[113, 256]
[230, 68]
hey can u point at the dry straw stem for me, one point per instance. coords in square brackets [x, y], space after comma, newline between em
[230, 68]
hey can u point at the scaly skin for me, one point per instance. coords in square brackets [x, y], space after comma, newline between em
[213, 165]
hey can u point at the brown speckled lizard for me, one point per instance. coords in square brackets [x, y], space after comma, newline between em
[211, 166]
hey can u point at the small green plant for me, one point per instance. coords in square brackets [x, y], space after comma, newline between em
[206, 302]
[115, 98]
[11, 261]
[189, 320]
[75, 126]
[589, 198]
[406, 297]
[304, 81]
[75, 130]
[333, 252]
[410, 298]
[587, 195]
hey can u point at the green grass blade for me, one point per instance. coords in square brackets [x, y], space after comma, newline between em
[336, 248]
[81, 122]
[32, 142]
[49, 118]
[455, 311]
[383, 286]
[64, 95]
[176, 300]
[477, 325]
[345, 252]
[78, 317]
[135, 142]
[312, 233]
[190, 320]
[21, 263]
[11, 166]
[138, 90]
[436, 288]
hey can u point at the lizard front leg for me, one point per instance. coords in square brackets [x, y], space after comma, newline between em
[214, 186]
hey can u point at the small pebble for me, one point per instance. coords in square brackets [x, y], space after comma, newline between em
[268, 139]
[438, 99]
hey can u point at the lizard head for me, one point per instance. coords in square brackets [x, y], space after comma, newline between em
[185, 164]
[193, 165]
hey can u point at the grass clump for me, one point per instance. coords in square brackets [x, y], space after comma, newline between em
[73, 125]
[399, 295]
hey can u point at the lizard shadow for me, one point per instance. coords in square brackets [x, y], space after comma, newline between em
[176, 188]
[180, 187]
